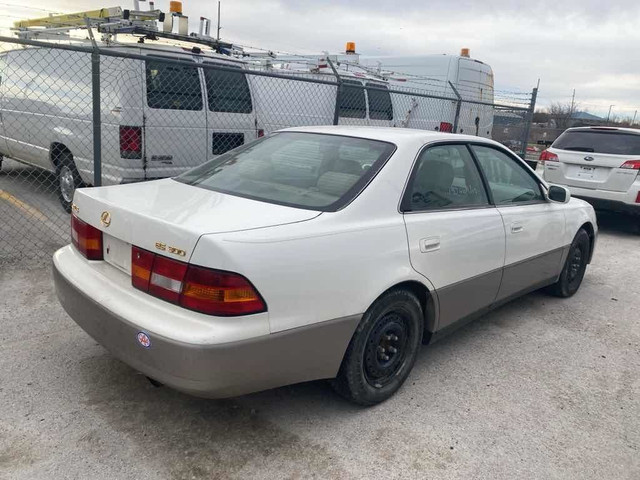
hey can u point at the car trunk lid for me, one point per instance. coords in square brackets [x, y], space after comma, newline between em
[168, 217]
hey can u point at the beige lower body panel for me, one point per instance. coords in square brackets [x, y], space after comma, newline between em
[216, 371]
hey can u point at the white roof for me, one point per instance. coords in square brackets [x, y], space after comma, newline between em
[389, 134]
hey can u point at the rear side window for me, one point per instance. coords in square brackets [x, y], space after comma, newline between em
[352, 103]
[305, 170]
[380, 107]
[445, 176]
[227, 91]
[599, 141]
[173, 87]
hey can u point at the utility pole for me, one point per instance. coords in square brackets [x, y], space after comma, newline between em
[609, 114]
[218, 35]
[634, 118]
[573, 102]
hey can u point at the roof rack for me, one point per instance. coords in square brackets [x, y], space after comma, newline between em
[112, 21]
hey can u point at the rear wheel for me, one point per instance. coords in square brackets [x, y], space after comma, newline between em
[383, 349]
[68, 180]
[574, 267]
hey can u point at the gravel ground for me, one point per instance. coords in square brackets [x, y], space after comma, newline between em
[541, 388]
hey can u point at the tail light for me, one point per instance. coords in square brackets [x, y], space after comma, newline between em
[446, 127]
[260, 133]
[86, 238]
[638, 198]
[130, 142]
[547, 156]
[631, 165]
[205, 290]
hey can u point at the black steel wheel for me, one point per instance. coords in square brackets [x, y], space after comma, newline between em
[574, 267]
[383, 349]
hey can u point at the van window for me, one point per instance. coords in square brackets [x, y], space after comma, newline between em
[599, 141]
[351, 102]
[380, 107]
[173, 87]
[227, 91]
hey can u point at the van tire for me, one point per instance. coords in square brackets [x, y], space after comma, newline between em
[67, 179]
[383, 349]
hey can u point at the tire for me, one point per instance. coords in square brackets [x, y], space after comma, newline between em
[68, 179]
[574, 266]
[382, 350]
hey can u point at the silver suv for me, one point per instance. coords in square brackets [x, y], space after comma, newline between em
[598, 164]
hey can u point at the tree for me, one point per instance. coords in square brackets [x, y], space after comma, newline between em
[561, 113]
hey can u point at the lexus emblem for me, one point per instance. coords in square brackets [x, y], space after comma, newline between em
[105, 218]
[589, 159]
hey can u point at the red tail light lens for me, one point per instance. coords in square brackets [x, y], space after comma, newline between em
[201, 289]
[260, 133]
[631, 165]
[446, 127]
[86, 238]
[130, 142]
[219, 293]
[141, 265]
[547, 156]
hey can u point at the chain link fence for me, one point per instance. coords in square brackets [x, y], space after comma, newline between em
[75, 116]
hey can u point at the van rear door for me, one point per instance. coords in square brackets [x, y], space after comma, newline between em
[175, 123]
[475, 83]
[592, 157]
[231, 117]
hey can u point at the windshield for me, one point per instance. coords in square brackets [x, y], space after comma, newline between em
[610, 142]
[306, 170]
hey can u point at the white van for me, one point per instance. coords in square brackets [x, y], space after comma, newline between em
[160, 119]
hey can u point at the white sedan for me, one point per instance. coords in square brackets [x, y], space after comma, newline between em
[324, 252]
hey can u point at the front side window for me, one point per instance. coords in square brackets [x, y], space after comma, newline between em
[444, 176]
[380, 107]
[508, 180]
[227, 91]
[172, 86]
[351, 100]
[306, 170]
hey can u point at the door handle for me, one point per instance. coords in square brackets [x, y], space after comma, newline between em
[429, 244]
[516, 228]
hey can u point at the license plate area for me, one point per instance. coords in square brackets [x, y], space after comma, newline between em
[116, 252]
[586, 172]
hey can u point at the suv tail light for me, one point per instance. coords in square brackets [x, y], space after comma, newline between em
[205, 290]
[446, 127]
[86, 238]
[130, 142]
[631, 165]
[547, 156]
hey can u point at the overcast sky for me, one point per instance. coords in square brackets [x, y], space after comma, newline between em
[589, 45]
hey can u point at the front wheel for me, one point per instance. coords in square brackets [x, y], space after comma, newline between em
[383, 349]
[574, 267]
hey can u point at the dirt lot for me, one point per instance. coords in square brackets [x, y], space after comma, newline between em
[541, 388]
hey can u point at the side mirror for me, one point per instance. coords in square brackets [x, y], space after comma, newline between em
[559, 194]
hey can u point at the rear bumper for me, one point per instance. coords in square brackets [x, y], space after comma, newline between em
[606, 200]
[211, 370]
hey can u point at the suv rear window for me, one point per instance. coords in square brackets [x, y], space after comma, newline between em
[599, 141]
[173, 87]
[304, 170]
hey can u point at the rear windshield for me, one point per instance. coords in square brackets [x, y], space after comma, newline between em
[227, 91]
[305, 170]
[351, 100]
[380, 107]
[611, 142]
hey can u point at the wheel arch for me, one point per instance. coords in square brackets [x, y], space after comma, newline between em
[588, 227]
[56, 151]
[427, 301]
